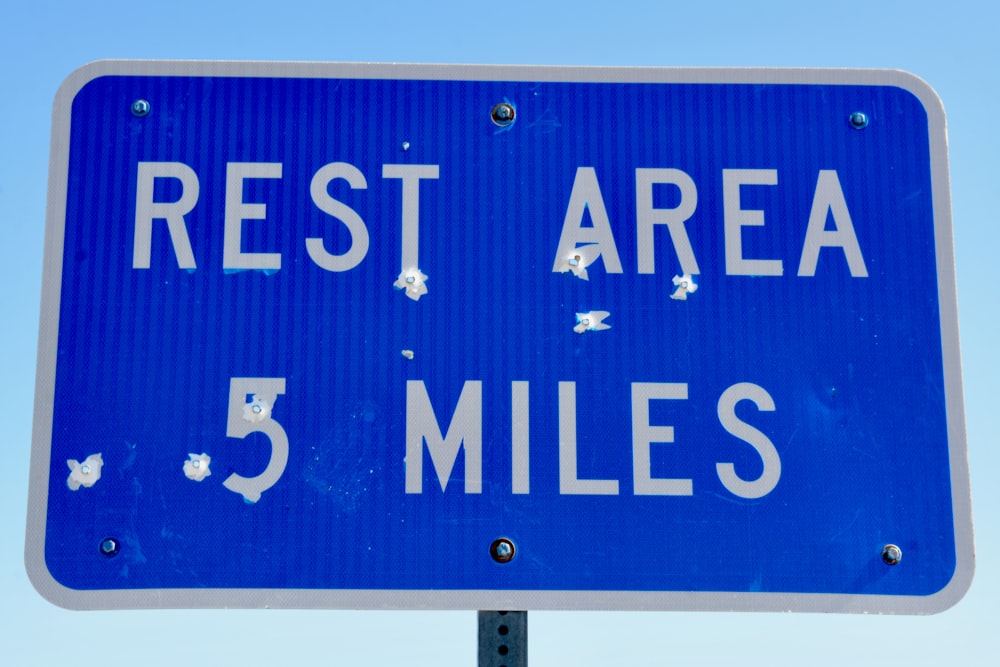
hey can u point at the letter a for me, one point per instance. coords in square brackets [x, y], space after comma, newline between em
[597, 241]
[829, 197]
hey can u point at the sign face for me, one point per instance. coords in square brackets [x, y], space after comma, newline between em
[368, 336]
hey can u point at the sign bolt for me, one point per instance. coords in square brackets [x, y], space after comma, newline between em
[892, 554]
[858, 120]
[502, 114]
[109, 547]
[502, 550]
[140, 108]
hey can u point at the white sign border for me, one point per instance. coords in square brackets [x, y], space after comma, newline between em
[38, 490]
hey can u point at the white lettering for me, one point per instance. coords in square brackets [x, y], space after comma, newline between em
[237, 211]
[240, 424]
[411, 174]
[673, 218]
[586, 195]
[829, 197]
[146, 210]
[519, 437]
[643, 435]
[736, 218]
[568, 482]
[465, 430]
[318, 189]
[765, 448]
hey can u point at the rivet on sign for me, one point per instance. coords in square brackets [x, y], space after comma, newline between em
[140, 108]
[109, 547]
[502, 114]
[858, 120]
[502, 550]
[85, 469]
[406, 145]
[892, 554]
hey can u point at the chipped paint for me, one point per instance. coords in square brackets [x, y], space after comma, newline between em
[685, 285]
[592, 321]
[413, 281]
[86, 473]
[578, 259]
[197, 466]
[257, 410]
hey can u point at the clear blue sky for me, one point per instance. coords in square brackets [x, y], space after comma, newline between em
[953, 46]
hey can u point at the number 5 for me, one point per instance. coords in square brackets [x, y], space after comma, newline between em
[246, 418]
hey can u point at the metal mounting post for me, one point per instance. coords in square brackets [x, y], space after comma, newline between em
[503, 639]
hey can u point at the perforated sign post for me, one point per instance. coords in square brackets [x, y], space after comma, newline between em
[357, 336]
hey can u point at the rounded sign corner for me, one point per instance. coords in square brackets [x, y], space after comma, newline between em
[956, 588]
[923, 91]
[79, 78]
[48, 587]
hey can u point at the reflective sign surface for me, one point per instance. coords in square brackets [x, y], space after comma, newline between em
[498, 338]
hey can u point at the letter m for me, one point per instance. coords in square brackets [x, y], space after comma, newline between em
[466, 428]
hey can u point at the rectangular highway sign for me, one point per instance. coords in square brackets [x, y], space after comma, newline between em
[385, 336]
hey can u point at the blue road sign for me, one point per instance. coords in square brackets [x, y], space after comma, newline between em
[498, 337]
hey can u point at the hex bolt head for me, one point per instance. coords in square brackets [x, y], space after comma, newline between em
[891, 554]
[502, 114]
[502, 550]
[110, 547]
[140, 108]
[858, 120]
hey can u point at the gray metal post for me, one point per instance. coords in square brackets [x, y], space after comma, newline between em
[503, 639]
